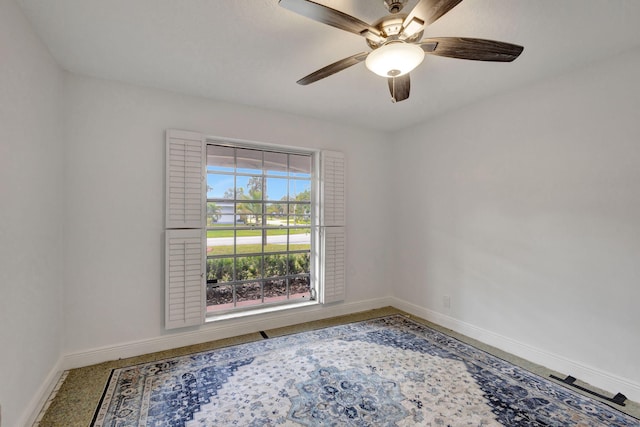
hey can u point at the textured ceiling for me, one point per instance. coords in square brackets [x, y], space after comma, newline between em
[252, 52]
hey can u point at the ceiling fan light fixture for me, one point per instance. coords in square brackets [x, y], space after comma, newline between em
[394, 59]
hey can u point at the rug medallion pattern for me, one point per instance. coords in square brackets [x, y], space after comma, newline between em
[382, 372]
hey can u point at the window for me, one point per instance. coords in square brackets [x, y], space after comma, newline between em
[259, 227]
[250, 226]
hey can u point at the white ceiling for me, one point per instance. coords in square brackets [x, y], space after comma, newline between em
[252, 52]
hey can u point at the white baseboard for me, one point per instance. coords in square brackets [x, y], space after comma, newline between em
[219, 330]
[593, 376]
[32, 411]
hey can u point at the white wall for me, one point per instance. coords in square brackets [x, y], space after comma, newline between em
[31, 200]
[115, 182]
[525, 210]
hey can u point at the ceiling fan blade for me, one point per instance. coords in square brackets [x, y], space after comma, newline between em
[333, 68]
[428, 45]
[329, 16]
[474, 49]
[399, 87]
[426, 12]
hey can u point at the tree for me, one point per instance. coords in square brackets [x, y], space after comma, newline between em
[304, 196]
[302, 208]
[213, 211]
[252, 207]
[255, 184]
[229, 194]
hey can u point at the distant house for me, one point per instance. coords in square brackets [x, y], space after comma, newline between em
[226, 213]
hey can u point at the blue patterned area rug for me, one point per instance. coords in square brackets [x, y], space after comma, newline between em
[383, 372]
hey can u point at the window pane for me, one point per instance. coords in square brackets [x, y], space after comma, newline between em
[276, 220]
[299, 263]
[276, 240]
[241, 221]
[220, 296]
[299, 239]
[300, 190]
[219, 186]
[248, 161]
[275, 290]
[275, 163]
[277, 209]
[275, 214]
[275, 265]
[300, 165]
[248, 294]
[276, 189]
[213, 213]
[220, 158]
[249, 187]
[220, 242]
[249, 242]
[299, 219]
[219, 214]
[223, 211]
[300, 288]
[249, 212]
[254, 198]
[220, 270]
[248, 268]
[302, 210]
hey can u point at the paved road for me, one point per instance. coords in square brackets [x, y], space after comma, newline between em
[256, 240]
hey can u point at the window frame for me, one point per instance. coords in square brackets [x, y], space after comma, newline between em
[314, 251]
[185, 216]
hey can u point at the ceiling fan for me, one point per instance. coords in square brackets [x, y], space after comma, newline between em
[396, 41]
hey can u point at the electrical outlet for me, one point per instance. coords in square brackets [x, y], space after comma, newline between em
[446, 301]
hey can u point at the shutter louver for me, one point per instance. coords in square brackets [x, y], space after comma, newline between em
[184, 273]
[333, 220]
[333, 189]
[185, 181]
[334, 257]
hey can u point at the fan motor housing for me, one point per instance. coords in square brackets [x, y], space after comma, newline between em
[390, 28]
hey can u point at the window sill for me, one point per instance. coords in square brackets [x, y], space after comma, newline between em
[258, 311]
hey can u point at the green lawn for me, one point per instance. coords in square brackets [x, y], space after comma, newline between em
[253, 232]
[247, 249]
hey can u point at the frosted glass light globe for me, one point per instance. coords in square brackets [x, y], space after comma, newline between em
[394, 59]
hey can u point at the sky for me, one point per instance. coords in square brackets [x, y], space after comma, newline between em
[284, 174]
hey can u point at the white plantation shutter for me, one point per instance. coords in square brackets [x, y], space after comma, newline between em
[185, 238]
[332, 226]
[334, 266]
[184, 278]
[185, 180]
[333, 199]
